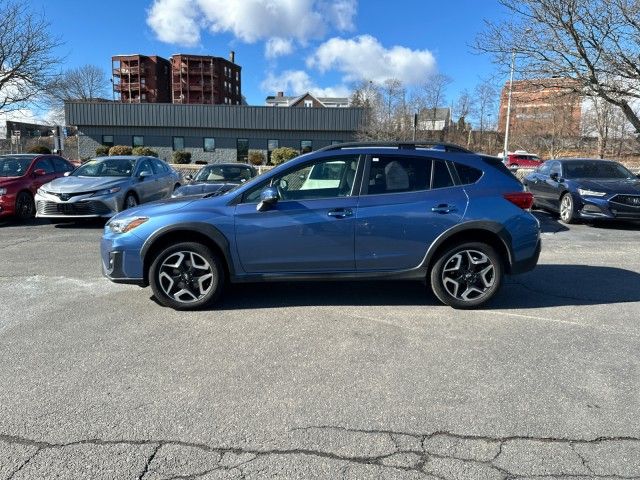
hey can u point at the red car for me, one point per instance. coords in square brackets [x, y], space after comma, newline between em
[21, 175]
[522, 159]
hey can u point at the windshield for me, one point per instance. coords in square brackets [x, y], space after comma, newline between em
[112, 167]
[596, 169]
[14, 166]
[226, 173]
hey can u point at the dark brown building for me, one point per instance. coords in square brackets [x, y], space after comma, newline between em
[205, 80]
[542, 106]
[141, 79]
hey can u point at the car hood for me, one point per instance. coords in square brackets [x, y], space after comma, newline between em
[202, 188]
[72, 184]
[626, 186]
[154, 209]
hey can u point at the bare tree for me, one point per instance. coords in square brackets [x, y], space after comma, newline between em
[464, 108]
[87, 82]
[595, 42]
[431, 96]
[486, 99]
[27, 57]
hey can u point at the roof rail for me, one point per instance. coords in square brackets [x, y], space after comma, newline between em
[401, 145]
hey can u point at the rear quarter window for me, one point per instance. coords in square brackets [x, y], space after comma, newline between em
[467, 175]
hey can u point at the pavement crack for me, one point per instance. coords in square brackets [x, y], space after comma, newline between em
[149, 460]
[23, 464]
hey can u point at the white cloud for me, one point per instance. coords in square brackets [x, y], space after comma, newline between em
[276, 47]
[297, 82]
[174, 21]
[181, 21]
[365, 58]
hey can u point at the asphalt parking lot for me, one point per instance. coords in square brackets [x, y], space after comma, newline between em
[339, 380]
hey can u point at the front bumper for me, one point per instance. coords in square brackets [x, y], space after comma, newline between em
[613, 207]
[80, 206]
[120, 262]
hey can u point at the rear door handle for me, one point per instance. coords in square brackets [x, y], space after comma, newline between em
[444, 208]
[340, 213]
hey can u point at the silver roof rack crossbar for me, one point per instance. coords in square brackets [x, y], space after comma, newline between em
[403, 145]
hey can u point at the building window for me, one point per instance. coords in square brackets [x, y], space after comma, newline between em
[271, 146]
[138, 141]
[107, 140]
[237, 90]
[308, 103]
[242, 145]
[306, 146]
[178, 143]
[209, 144]
[237, 76]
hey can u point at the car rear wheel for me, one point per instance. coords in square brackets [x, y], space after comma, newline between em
[186, 276]
[25, 206]
[130, 201]
[467, 275]
[567, 209]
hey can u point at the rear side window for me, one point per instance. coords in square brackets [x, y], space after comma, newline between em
[159, 166]
[46, 165]
[395, 174]
[441, 177]
[468, 175]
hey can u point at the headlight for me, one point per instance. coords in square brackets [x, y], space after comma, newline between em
[126, 224]
[107, 191]
[590, 193]
[3, 191]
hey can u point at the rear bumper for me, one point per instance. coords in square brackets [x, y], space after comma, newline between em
[527, 264]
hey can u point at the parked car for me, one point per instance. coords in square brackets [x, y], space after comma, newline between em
[218, 177]
[458, 219]
[522, 159]
[586, 189]
[105, 186]
[20, 177]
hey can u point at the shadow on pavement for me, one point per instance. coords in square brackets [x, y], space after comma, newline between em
[546, 286]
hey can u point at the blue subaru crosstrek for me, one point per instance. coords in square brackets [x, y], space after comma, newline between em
[423, 211]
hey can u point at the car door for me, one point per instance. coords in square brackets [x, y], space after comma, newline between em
[308, 230]
[165, 179]
[536, 183]
[406, 203]
[147, 184]
[49, 173]
[551, 185]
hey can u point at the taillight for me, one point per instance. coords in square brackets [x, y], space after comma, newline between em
[524, 200]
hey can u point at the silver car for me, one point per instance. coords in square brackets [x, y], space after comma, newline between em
[104, 186]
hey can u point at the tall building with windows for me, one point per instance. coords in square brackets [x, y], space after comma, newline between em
[205, 80]
[186, 79]
[141, 79]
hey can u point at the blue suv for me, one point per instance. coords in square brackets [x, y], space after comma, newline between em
[355, 211]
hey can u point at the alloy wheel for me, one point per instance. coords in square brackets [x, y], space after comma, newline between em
[131, 202]
[24, 206]
[566, 207]
[468, 275]
[186, 277]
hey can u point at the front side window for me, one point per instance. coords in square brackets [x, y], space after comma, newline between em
[209, 144]
[145, 167]
[46, 165]
[328, 178]
[544, 169]
[61, 165]
[178, 143]
[159, 166]
[555, 168]
[395, 174]
[138, 141]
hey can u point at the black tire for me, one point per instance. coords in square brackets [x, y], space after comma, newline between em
[480, 283]
[567, 211]
[25, 207]
[130, 201]
[170, 274]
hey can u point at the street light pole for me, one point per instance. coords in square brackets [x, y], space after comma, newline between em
[506, 128]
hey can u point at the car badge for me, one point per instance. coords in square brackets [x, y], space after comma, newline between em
[64, 197]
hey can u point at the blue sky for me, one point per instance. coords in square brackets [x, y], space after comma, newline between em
[328, 53]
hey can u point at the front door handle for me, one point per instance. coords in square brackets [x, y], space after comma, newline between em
[444, 208]
[340, 213]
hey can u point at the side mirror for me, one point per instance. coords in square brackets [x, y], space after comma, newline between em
[268, 197]
[554, 176]
[188, 178]
[144, 174]
[39, 172]
[638, 175]
[66, 174]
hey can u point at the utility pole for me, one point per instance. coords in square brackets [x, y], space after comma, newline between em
[506, 128]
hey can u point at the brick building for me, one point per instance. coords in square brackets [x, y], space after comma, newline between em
[141, 79]
[541, 107]
[186, 79]
[205, 80]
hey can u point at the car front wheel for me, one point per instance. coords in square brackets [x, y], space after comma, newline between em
[567, 209]
[467, 275]
[25, 207]
[186, 276]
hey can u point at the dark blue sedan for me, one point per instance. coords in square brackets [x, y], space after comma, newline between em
[579, 188]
